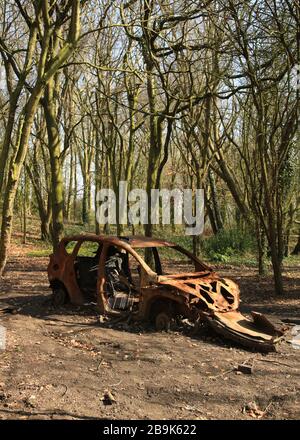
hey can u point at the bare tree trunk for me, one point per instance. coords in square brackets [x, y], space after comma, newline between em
[261, 248]
[70, 186]
[98, 180]
[46, 217]
[14, 175]
[75, 189]
[215, 202]
[25, 208]
[296, 250]
[54, 146]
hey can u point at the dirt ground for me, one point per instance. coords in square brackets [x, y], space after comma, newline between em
[58, 363]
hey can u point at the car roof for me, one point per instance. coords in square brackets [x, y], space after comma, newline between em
[135, 241]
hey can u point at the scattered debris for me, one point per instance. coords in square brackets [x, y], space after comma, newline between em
[30, 401]
[254, 411]
[275, 362]
[295, 333]
[12, 310]
[65, 390]
[108, 398]
[291, 320]
[3, 396]
[245, 368]
[102, 319]
[223, 373]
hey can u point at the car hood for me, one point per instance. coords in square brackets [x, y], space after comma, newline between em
[219, 294]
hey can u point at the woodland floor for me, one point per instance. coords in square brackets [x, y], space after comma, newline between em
[59, 362]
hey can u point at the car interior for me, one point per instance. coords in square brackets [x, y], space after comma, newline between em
[122, 285]
[86, 267]
[86, 270]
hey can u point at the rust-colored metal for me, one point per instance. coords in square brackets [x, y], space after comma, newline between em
[201, 294]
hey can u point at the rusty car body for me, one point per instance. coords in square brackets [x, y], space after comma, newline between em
[154, 294]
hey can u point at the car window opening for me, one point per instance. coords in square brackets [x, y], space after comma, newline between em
[122, 277]
[86, 267]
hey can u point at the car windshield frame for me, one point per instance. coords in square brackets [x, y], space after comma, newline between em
[199, 266]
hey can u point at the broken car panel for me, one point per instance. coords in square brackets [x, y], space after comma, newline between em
[111, 271]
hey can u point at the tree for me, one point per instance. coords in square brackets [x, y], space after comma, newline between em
[271, 109]
[41, 29]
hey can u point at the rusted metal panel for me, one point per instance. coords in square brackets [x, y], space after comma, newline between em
[61, 268]
[209, 288]
[235, 326]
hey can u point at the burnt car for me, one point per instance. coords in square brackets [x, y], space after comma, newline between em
[112, 272]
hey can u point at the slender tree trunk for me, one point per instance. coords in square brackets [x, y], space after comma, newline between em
[70, 187]
[16, 165]
[8, 132]
[155, 145]
[99, 165]
[211, 217]
[215, 202]
[277, 270]
[75, 188]
[106, 228]
[85, 200]
[288, 229]
[13, 105]
[46, 218]
[296, 250]
[261, 249]
[54, 145]
[45, 225]
[196, 245]
[25, 208]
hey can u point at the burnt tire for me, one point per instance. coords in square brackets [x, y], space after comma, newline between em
[163, 316]
[163, 322]
[59, 297]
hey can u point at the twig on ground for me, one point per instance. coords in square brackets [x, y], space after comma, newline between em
[275, 362]
[223, 373]
[116, 384]
[66, 389]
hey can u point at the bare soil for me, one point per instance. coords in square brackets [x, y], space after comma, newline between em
[58, 363]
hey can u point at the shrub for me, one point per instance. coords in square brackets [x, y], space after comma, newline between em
[227, 243]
